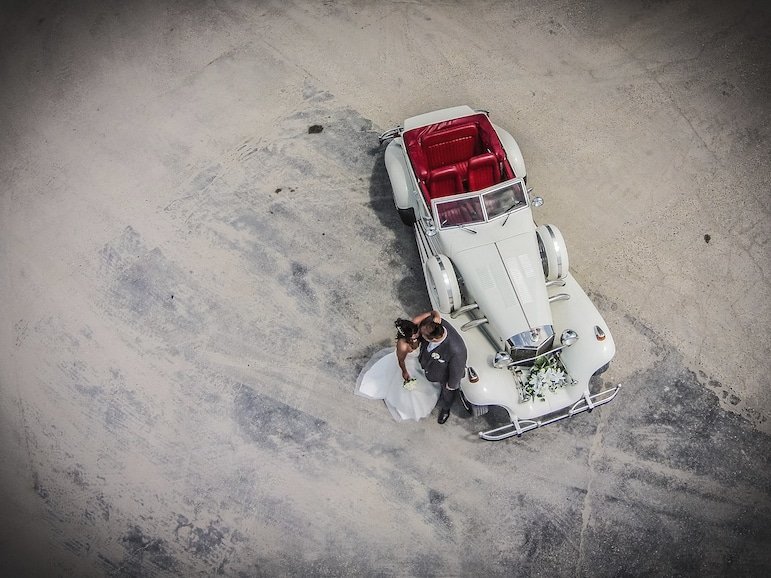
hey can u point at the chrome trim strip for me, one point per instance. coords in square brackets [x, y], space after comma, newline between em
[521, 361]
[446, 279]
[556, 250]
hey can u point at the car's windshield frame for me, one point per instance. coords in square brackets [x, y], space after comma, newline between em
[483, 210]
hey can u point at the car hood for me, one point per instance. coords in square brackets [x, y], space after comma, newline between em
[506, 279]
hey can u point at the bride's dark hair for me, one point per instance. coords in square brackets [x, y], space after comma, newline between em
[405, 328]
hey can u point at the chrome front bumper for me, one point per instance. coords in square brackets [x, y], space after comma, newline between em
[519, 426]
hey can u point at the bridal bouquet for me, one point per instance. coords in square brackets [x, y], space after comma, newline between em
[410, 384]
[545, 374]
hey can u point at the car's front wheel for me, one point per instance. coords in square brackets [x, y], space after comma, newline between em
[407, 216]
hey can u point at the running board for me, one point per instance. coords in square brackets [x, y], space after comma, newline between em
[520, 426]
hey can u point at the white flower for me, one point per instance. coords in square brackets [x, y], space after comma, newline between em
[545, 374]
[435, 355]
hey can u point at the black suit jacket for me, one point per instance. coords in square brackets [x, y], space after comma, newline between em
[446, 364]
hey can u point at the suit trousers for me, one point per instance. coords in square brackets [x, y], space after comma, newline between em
[447, 397]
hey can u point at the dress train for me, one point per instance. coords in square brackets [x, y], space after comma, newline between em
[382, 379]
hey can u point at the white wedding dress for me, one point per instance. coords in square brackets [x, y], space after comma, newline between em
[382, 379]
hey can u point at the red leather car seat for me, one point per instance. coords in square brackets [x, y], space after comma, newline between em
[451, 146]
[483, 171]
[444, 181]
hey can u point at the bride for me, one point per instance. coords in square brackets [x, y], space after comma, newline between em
[395, 376]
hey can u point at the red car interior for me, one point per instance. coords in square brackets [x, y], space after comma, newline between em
[454, 213]
[453, 146]
[464, 154]
[445, 181]
[483, 171]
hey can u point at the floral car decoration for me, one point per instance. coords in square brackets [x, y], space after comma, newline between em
[533, 336]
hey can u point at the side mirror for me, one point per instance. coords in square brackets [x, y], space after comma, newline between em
[431, 229]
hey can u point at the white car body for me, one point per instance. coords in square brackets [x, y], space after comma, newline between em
[498, 278]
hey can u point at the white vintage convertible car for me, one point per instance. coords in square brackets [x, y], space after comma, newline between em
[534, 338]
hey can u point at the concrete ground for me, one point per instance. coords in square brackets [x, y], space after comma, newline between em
[191, 282]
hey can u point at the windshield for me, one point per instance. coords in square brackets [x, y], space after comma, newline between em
[503, 200]
[460, 212]
[472, 210]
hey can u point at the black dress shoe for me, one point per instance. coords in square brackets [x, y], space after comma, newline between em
[443, 415]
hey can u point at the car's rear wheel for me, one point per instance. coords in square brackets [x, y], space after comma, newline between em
[407, 216]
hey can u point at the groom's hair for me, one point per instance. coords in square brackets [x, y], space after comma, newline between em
[433, 330]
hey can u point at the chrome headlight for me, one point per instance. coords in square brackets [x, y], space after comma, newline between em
[501, 360]
[568, 337]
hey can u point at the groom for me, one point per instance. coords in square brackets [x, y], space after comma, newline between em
[443, 358]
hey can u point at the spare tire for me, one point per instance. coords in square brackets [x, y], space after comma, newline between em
[442, 284]
[554, 254]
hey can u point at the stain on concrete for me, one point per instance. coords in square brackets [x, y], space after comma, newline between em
[690, 471]
[671, 399]
[103, 506]
[313, 94]
[140, 296]
[39, 488]
[20, 329]
[298, 283]
[205, 542]
[122, 250]
[77, 475]
[324, 564]
[273, 424]
[79, 378]
[144, 556]
[436, 509]
[77, 547]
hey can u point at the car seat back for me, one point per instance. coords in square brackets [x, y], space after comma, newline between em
[483, 171]
[451, 146]
[444, 181]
